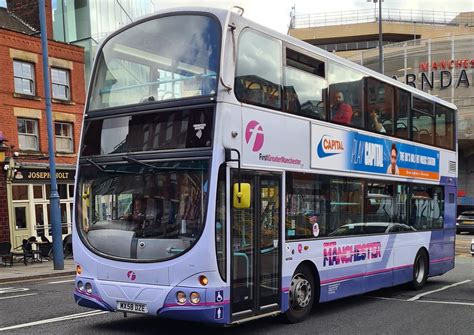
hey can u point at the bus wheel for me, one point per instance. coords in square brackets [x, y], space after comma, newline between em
[420, 270]
[301, 294]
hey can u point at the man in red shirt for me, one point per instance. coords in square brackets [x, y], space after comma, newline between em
[341, 111]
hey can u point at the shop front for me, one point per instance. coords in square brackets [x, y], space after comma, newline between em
[28, 194]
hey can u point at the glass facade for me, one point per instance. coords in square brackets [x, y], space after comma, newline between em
[88, 22]
[443, 67]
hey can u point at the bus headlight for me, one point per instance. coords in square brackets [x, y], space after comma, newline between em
[88, 288]
[80, 286]
[181, 297]
[195, 298]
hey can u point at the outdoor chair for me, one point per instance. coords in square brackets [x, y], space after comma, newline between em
[45, 250]
[6, 253]
[45, 247]
[67, 246]
[24, 252]
[44, 239]
[18, 253]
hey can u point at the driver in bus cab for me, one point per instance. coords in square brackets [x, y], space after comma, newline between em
[341, 111]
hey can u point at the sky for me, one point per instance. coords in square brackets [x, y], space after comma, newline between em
[275, 14]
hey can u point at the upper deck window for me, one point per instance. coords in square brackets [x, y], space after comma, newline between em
[422, 121]
[402, 109]
[305, 85]
[167, 58]
[379, 106]
[259, 74]
[346, 94]
[445, 127]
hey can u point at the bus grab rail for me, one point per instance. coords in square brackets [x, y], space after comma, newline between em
[157, 82]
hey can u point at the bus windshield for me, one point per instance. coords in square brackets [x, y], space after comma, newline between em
[142, 211]
[140, 66]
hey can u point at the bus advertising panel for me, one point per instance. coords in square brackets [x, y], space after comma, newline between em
[332, 148]
[273, 140]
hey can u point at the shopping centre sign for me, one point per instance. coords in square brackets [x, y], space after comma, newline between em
[448, 72]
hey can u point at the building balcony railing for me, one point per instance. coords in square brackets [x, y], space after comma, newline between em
[428, 17]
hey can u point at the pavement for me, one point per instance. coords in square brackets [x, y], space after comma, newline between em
[19, 271]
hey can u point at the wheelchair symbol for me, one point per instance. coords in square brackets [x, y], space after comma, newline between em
[219, 296]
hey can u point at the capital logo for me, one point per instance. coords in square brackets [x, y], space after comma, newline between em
[254, 135]
[131, 275]
[329, 146]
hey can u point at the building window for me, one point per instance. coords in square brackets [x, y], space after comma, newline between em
[28, 134]
[63, 132]
[60, 84]
[24, 77]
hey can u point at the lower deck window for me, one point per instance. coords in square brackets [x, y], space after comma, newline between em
[325, 206]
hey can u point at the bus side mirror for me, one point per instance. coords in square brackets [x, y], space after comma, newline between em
[241, 199]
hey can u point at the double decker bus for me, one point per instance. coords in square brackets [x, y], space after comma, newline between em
[228, 172]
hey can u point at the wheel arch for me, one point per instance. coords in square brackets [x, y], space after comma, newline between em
[317, 281]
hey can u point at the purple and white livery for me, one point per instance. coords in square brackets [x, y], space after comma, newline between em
[213, 186]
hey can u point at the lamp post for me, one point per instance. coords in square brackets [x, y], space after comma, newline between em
[381, 69]
[55, 215]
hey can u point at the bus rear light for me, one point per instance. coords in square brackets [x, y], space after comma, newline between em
[80, 286]
[203, 280]
[88, 287]
[181, 297]
[78, 269]
[195, 298]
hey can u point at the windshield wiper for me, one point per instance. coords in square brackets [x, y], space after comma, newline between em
[102, 169]
[161, 168]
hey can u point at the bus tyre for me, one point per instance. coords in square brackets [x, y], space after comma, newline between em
[301, 295]
[420, 270]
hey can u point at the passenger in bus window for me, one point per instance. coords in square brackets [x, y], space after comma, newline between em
[375, 123]
[392, 167]
[341, 110]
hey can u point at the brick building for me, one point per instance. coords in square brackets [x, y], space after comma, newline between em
[24, 163]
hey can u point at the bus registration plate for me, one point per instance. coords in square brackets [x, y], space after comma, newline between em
[131, 307]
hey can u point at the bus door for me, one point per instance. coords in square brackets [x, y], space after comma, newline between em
[256, 248]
